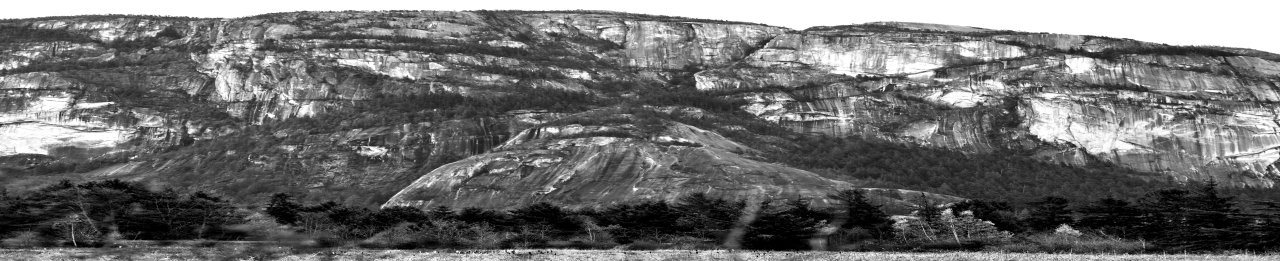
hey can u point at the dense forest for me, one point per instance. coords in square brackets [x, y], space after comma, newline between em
[1170, 220]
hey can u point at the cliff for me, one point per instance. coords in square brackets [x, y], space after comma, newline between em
[465, 108]
[1188, 112]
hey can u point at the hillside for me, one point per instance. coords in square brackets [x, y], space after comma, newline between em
[489, 108]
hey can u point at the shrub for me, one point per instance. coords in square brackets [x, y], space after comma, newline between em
[404, 236]
[526, 240]
[874, 246]
[582, 243]
[261, 227]
[1066, 230]
[644, 245]
[323, 240]
[26, 239]
[689, 243]
[549, 218]
[948, 227]
[1059, 243]
[951, 246]
[437, 234]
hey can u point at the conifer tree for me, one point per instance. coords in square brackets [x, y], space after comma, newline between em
[441, 212]
[1110, 216]
[283, 208]
[927, 209]
[1048, 213]
[1211, 209]
[965, 227]
[860, 213]
[1163, 213]
[999, 213]
[786, 226]
[705, 216]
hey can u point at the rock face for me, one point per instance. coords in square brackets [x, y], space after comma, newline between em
[598, 165]
[362, 166]
[91, 86]
[593, 165]
[337, 104]
[665, 43]
[282, 66]
[876, 54]
[1192, 113]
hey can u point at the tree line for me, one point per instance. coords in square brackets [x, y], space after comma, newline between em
[1167, 220]
[89, 214]
[1004, 175]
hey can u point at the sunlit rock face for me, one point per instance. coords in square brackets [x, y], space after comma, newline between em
[1190, 115]
[281, 66]
[361, 166]
[39, 122]
[596, 165]
[1196, 143]
[876, 54]
[168, 90]
[19, 55]
[43, 112]
[670, 44]
[151, 85]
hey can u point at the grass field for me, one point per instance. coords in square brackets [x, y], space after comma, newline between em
[268, 253]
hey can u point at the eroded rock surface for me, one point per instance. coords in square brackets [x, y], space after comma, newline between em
[597, 165]
[1191, 113]
[292, 92]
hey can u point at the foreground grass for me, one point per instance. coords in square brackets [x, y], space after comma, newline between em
[278, 253]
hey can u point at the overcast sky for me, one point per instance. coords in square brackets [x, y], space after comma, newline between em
[1235, 23]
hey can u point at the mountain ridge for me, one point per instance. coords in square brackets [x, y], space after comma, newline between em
[355, 106]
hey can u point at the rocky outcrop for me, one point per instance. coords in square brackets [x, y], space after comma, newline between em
[363, 166]
[876, 55]
[596, 165]
[169, 90]
[1192, 114]
[281, 66]
[1186, 141]
[664, 43]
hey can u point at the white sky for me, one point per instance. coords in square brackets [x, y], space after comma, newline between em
[1234, 23]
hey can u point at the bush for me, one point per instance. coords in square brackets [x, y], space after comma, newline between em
[26, 239]
[950, 246]
[1059, 243]
[581, 244]
[689, 243]
[1066, 230]
[404, 236]
[644, 245]
[948, 227]
[874, 246]
[260, 227]
[437, 234]
[526, 240]
[851, 236]
[323, 240]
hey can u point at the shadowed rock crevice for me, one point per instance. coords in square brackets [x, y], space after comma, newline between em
[492, 106]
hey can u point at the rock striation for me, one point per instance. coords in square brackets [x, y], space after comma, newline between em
[282, 102]
[1191, 113]
[598, 165]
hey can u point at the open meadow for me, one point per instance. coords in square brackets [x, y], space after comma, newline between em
[271, 253]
